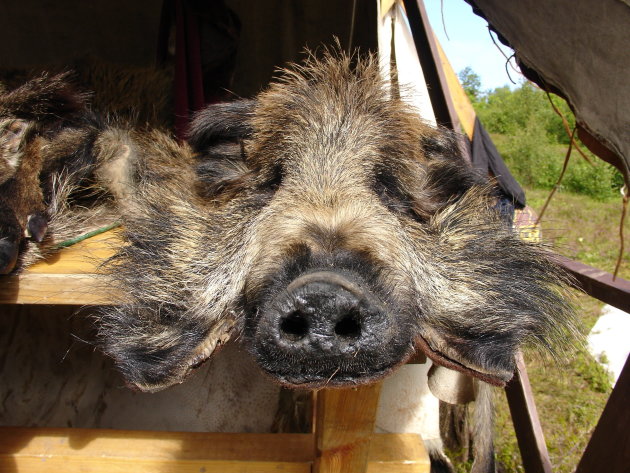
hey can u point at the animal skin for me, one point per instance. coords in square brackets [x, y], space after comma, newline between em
[322, 222]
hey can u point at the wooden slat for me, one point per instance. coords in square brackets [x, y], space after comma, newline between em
[155, 445]
[609, 447]
[599, 284]
[83, 257]
[429, 60]
[69, 289]
[529, 434]
[461, 102]
[397, 453]
[434, 73]
[70, 276]
[96, 450]
[344, 426]
[103, 450]
[107, 465]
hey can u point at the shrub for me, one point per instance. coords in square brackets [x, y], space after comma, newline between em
[533, 141]
[600, 181]
[531, 159]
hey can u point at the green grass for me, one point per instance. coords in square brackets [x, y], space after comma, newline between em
[571, 395]
[582, 223]
[583, 228]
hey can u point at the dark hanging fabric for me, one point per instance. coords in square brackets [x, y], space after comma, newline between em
[487, 159]
[188, 80]
[206, 39]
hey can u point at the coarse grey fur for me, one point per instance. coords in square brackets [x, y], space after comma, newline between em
[323, 172]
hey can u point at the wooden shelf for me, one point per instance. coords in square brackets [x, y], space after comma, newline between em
[69, 277]
[109, 451]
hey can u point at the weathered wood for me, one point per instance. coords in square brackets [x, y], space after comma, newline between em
[424, 40]
[101, 450]
[461, 102]
[344, 426]
[609, 447]
[529, 434]
[599, 284]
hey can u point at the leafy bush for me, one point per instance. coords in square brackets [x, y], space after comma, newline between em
[506, 111]
[530, 157]
[533, 141]
[600, 181]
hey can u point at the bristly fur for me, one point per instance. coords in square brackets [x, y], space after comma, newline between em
[322, 173]
[322, 170]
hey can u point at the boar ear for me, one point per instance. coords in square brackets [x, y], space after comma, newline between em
[448, 174]
[447, 166]
[216, 135]
[46, 99]
[220, 123]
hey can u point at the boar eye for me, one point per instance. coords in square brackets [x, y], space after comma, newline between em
[388, 188]
[272, 179]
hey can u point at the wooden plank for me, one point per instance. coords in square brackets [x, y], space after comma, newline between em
[599, 284]
[68, 289]
[397, 453]
[461, 102]
[155, 445]
[83, 257]
[429, 60]
[108, 465]
[529, 434]
[70, 276]
[344, 426]
[434, 74]
[609, 447]
[104, 450]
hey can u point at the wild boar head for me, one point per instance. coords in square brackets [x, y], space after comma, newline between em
[336, 231]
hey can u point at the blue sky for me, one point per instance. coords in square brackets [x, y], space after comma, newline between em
[469, 43]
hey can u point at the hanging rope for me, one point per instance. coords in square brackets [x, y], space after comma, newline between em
[567, 129]
[557, 184]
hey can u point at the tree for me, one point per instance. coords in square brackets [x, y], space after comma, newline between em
[471, 82]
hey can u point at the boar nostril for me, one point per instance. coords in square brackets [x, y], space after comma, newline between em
[349, 326]
[295, 326]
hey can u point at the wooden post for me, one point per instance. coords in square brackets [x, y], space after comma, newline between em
[529, 434]
[609, 447]
[344, 425]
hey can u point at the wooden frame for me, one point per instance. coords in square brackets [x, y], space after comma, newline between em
[45, 450]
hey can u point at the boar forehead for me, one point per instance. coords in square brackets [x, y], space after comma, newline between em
[324, 120]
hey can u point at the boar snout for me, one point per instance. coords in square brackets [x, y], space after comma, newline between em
[322, 329]
[323, 311]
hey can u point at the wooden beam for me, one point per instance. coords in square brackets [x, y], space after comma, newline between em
[434, 74]
[529, 434]
[461, 102]
[101, 450]
[68, 289]
[609, 447]
[344, 426]
[106, 451]
[599, 284]
[71, 276]
[428, 54]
